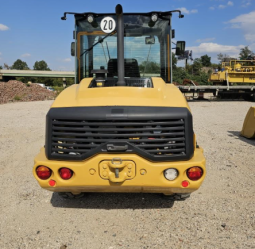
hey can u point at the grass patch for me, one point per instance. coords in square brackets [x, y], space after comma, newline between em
[17, 98]
[58, 89]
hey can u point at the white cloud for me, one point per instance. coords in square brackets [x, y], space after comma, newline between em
[26, 55]
[193, 11]
[246, 3]
[3, 27]
[246, 19]
[183, 10]
[222, 6]
[250, 37]
[186, 11]
[67, 60]
[205, 40]
[229, 3]
[212, 8]
[236, 26]
[212, 49]
[246, 23]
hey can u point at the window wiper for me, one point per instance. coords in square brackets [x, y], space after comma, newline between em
[100, 41]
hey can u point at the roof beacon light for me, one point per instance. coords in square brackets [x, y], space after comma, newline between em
[154, 17]
[90, 18]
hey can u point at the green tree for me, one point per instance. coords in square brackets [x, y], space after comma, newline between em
[1, 67]
[245, 53]
[206, 60]
[150, 67]
[174, 60]
[222, 57]
[41, 65]
[6, 66]
[20, 65]
[179, 74]
[216, 66]
[203, 78]
[197, 66]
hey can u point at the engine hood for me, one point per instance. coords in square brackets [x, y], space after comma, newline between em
[162, 94]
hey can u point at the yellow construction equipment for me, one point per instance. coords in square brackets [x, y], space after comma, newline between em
[236, 79]
[235, 71]
[248, 129]
[124, 127]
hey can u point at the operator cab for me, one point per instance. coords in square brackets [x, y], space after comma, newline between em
[146, 47]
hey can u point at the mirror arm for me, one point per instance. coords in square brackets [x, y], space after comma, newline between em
[68, 13]
[180, 13]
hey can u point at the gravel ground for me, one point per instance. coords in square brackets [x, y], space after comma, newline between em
[221, 214]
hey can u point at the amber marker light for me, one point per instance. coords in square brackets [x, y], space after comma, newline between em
[194, 173]
[43, 172]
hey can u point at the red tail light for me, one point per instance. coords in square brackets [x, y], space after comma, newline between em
[52, 183]
[65, 173]
[185, 184]
[43, 172]
[194, 173]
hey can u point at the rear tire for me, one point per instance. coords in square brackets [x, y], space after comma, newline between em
[177, 197]
[68, 195]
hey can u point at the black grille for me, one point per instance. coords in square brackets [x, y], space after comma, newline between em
[78, 139]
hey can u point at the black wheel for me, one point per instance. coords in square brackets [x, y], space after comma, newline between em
[67, 195]
[177, 197]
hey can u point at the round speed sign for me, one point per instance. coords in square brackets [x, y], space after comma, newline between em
[108, 24]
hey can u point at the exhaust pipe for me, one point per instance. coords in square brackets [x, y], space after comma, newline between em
[120, 46]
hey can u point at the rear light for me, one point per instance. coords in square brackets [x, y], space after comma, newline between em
[52, 183]
[171, 174]
[194, 173]
[185, 184]
[65, 173]
[43, 172]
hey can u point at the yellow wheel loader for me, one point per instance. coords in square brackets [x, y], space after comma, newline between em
[123, 127]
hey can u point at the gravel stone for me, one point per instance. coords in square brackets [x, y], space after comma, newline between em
[139, 220]
[13, 91]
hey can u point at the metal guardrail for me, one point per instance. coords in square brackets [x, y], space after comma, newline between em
[36, 73]
[215, 87]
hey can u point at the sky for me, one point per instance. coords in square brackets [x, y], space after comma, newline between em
[33, 31]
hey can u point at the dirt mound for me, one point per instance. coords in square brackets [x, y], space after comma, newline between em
[15, 90]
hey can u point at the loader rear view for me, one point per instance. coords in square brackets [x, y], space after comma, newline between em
[124, 127]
